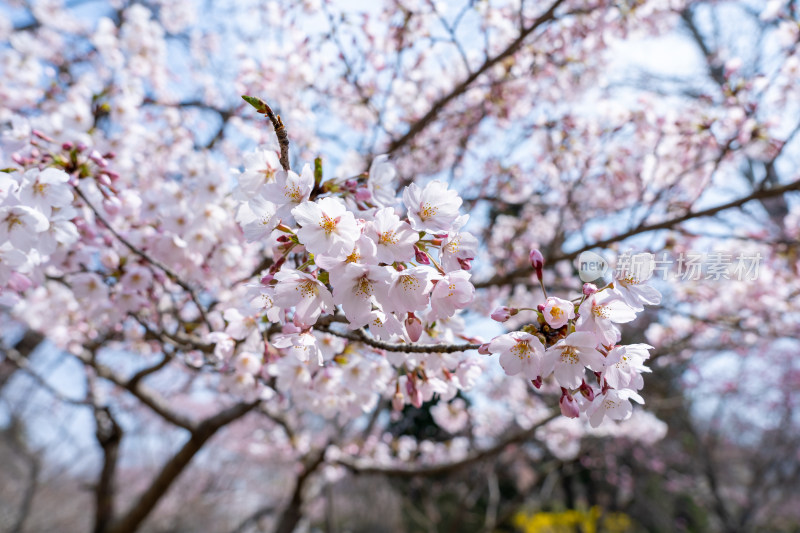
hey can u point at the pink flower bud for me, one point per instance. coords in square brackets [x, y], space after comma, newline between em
[113, 176]
[98, 159]
[66, 146]
[413, 327]
[41, 135]
[81, 147]
[568, 405]
[587, 391]
[537, 262]
[589, 289]
[363, 194]
[414, 394]
[421, 257]
[483, 349]
[501, 314]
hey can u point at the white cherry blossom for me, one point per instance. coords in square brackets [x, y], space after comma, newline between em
[328, 228]
[432, 209]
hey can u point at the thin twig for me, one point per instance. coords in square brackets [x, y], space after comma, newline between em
[280, 130]
[361, 336]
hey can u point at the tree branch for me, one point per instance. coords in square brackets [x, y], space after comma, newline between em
[759, 194]
[280, 131]
[175, 465]
[147, 257]
[462, 87]
[109, 436]
[292, 513]
[145, 395]
[361, 336]
[448, 468]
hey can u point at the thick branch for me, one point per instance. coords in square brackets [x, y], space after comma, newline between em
[175, 465]
[462, 87]
[448, 468]
[109, 436]
[759, 194]
[292, 514]
[145, 395]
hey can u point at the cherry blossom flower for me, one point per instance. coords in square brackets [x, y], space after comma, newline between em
[519, 353]
[261, 167]
[328, 228]
[11, 260]
[381, 182]
[631, 286]
[433, 209]
[558, 312]
[394, 239]
[569, 357]
[357, 289]
[451, 416]
[458, 249]
[20, 225]
[302, 345]
[409, 289]
[289, 189]
[45, 189]
[450, 293]
[305, 293]
[257, 218]
[614, 404]
[364, 252]
[624, 365]
[600, 311]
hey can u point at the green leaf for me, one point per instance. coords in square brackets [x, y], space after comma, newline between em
[317, 171]
[257, 103]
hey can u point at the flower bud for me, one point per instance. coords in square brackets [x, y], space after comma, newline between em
[483, 349]
[587, 391]
[398, 401]
[98, 159]
[589, 289]
[568, 405]
[414, 394]
[502, 314]
[363, 194]
[413, 327]
[537, 262]
[41, 135]
[421, 257]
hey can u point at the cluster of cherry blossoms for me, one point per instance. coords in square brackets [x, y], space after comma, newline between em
[344, 266]
[571, 337]
[36, 215]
